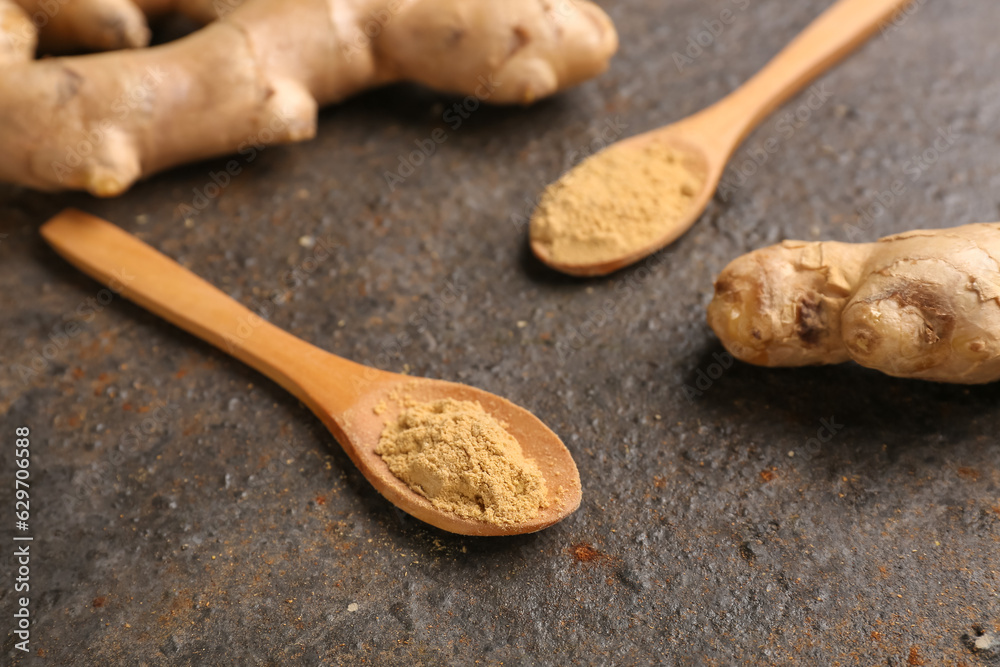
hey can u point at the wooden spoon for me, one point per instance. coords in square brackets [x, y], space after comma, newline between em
[709, 138]
[343, 394]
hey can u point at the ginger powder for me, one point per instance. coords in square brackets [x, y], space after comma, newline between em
[464, 461]
[616, 203]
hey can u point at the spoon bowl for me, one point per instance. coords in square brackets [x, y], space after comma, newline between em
[355, 402]
[380, 404]
[709, 138]
[668, 226]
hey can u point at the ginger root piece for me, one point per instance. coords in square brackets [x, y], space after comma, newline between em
[18, 36]
[108, 25]
[922, 304]
[99, 25]
[258, 75]
[201, 11]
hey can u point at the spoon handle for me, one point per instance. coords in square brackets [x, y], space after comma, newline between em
[141, 274]
[833, 35]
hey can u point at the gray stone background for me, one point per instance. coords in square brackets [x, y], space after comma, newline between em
[187, 511]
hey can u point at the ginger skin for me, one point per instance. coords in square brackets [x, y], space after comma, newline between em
[65, 26]
[18, 36]
[258, 75]
[87, 24]
[922, 304]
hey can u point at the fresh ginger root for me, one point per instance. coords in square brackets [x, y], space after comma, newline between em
[96, 25]
[258, 75]
[18, 36]
[201, 11]
[923, 304]
[90, 24]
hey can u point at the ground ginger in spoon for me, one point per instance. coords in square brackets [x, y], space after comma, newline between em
[615, 203]
[464, 461]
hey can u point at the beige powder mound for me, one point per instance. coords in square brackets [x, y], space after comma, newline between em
[615, 203]
[464, 461]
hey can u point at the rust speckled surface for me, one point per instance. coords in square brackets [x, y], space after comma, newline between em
[188, 512]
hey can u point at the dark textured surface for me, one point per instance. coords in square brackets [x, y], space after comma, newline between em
[188, 512]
